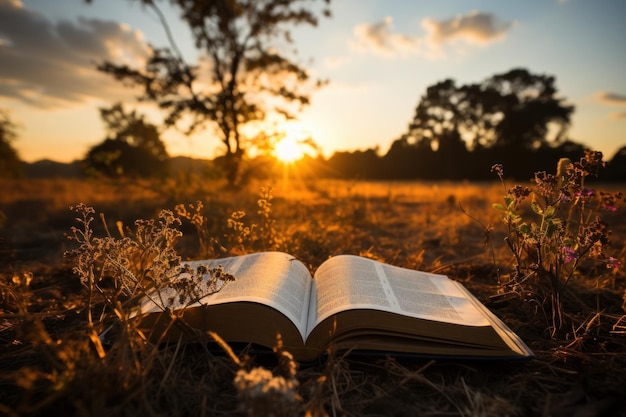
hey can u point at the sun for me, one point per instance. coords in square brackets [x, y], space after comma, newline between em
[288, 150]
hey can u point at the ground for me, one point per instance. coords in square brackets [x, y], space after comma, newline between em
[49, 361]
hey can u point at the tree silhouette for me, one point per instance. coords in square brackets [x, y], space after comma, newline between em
[133, 147]
[515, 109]
[247, 77]
[10, 163]
[507, 118]
[530, 106]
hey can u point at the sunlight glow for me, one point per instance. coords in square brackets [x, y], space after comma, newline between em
[289, 150]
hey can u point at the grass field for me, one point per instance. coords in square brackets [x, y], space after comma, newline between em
[49, 360]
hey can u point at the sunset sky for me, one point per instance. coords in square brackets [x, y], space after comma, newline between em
[379, 56]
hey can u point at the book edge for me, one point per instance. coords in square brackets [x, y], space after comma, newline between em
[508, 336]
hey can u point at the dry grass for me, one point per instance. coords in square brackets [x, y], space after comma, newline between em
[50, 364]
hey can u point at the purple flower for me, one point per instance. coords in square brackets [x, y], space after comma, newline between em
[609, 208]
[570, 254]
[613, 263]
[585, 192]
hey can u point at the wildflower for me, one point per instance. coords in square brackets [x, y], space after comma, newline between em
[585, 192]
[570, 254]
[589, 164]
[596, 251]
[596, 231]
[570, 231]
[610, 200]
[613, 263]
[546, 183]
[519, 193]
[498, 169]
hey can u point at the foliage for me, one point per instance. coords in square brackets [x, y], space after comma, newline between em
[244, 70]
[243, 233]
[562, 231]
[193, 213]
[144, 266]
[529, 105]
[261, 236]
[133, 147]
[514, 110]
[10, 163]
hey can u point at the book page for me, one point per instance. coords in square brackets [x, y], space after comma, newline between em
[272, 278]
[351, 282]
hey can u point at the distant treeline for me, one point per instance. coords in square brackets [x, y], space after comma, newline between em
[407, 161]
[403, 161]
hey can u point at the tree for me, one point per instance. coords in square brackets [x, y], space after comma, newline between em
[10, 163]
[530, 107]
[247, 77]
[358, 164]
[132, 147]
[516, 109]
[399, 161]
[616, 171]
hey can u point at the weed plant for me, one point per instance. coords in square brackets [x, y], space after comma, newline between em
[562, 233]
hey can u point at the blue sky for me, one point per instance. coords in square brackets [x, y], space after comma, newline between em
[379, 56]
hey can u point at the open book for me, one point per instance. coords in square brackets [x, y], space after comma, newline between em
[352, 303]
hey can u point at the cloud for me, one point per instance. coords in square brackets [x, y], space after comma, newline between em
[50, 64]
[475, 28]
[613, 99]
[380, 39]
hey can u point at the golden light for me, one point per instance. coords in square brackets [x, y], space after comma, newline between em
[288, 150]
[294, 141]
